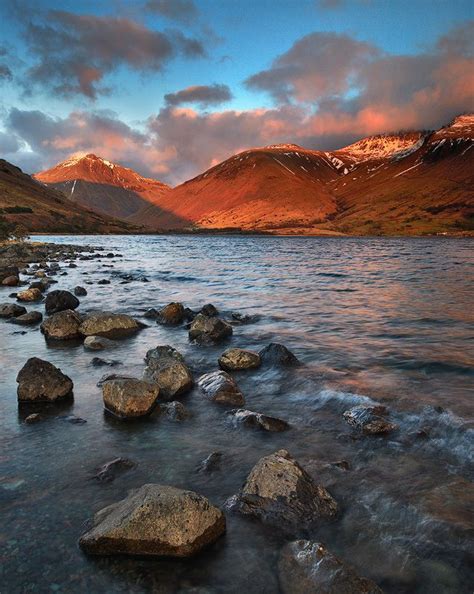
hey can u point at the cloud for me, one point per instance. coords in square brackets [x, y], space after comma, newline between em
[204, 95]
[176, 10]
[5, 72]
[75, 52]
[329, 4]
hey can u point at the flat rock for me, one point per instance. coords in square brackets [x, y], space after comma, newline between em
[28, 319]
[110, 325]
[278, 355]
[280, 492]
[307, 566]
[155, 520]
[369, 419]
[249, 418]
[40, 380]
[59, 301]
[166, 367]
[97, 343]
[239, 359]
[11, 310]
[109, 471]
[171, 315]
[29, 295]
[208, 330]
[63, 325]
[221, 387]
[129, 398]
[99, 362]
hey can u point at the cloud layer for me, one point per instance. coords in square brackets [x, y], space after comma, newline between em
[203, 95]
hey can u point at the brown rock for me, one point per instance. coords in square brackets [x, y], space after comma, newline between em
[239, 359]
[30, 295]
[63, 325]
[208, 330]
[171, 315]
[221, 387]
[40, 380]
[128, 398]
[167, 368]
[109, 325]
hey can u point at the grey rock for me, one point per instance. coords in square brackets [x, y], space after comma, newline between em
[166, 367]
[28, 319]
[175, 411]
[221, 387]
[278, 355]
[249, 418]
[63, 325]
[97, 343]
[206, 330]
[80, 291]
[369, 419]
[60, 301]
[109, 471]
[211, 463]
[11, 310]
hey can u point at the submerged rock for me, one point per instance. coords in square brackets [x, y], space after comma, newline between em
[369, 419]
[99, 362]
[155, 520]
[206, 330]
[33, 418]
[97, 343]
[59, 301]
[167, 368]
[63, 325]
[11, 310]
[307, 566]
[176, 411]
[28, 319]
[110, 325]
[40, 380]
[80, 291]
[221, 387]
[129, 398]
[280, 492]
[278, 355]
[110, 470]
[151, 313]
[171, 315]
[209, 310]
[211, 463]
[258, 420]
[8, 271]
[29, 295]
[239, 359]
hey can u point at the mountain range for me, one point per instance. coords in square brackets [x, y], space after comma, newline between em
[404, 183]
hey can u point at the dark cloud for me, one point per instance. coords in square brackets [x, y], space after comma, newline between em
[204, 95]
[177, 10]
[9, 144]
[5, 72]
[75, 52]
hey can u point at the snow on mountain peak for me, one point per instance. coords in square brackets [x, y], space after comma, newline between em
[381, 146]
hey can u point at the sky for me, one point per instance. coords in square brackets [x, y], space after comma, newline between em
[173, 87]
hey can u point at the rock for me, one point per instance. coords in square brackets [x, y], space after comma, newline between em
[63, 325]
[29, 295]
[8, 271]
[369, 419]
[113, 376]
[11, 310]
[33, 418]
[99, 362]
[80, 291]
[176, 411]
[41, 381]
[11, 281]
[189, 314]
[104, 281]
[171, 315]
[156, 520]
[40, 274]
[72, 265]
[59, 301]
[28, 319]
[152, 313]
[307, 566]
[73, 420]
[239, 359]
[167, 368]
[110, 470]
[211, 463]
[97, 343]
[253, 419]
[109, 325]
[221, 387]
[128, 398]
[278, 355]
[42, 285]
[205, 330]
[280, 492]
[239, 318]
[342, 464]
[209, 310]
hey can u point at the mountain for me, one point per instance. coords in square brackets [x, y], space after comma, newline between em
[25, 201]
[105, 187]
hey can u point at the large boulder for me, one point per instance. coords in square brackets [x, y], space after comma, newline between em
[307, 566]
[129, 398]
[167, 368]
[249, 418]
[63, 325]
[28, 319]
[29, 295]
[171, 315]
[59, 301]
[221, 387]
[278, 355]
[208, 330]
[155, 520]
[369, 419]
[239, 359]
[11, 310]
[108, 324]
[40, 380]
[280, 492]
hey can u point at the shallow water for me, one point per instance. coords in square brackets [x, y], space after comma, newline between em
[385, 320]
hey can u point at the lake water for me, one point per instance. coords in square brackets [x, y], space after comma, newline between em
[385, 320]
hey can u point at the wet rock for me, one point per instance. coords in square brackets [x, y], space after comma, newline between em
[249, 418]
[307, 566]
[239, 359]
[99, 362]
[155, 520]
[72, 265]
[205, 330]
[211, 463]
[11, 281]
[175, 411]
[29, 295]
[80, 291]
[8, 271]
[112, 376]
[73, 420]
[59, 301]
[240, 319]
[278, 355]
[152, 313]
[129, 398]
[109, 325]
[104, 281]
[221, 387]
[171, 315]
[40, 380]
[369, 419]
[342, 464]
[63, 325]
[280, 492]
[97, 343]
[209, 310]
[42, 285]
[11, 310]
[28, 319]
[40, 274]
[167, 368]
[33, 418]
[110, 470]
